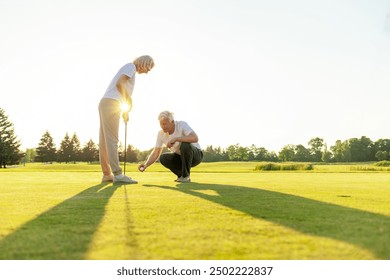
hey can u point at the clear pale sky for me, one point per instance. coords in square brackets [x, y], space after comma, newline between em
[268, 73]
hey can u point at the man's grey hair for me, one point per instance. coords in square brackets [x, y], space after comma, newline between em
[166, 115]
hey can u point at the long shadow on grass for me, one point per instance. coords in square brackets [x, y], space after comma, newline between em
[62, 232]
[367, 230]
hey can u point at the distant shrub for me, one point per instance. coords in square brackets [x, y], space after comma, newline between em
[365, 168]
[279, 167]
[368, 168]
[383, 163]
[267, 166]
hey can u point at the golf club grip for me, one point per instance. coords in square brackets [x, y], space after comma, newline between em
[124, 160]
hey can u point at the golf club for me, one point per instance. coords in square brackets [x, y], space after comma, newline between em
[125, 119]
[126, 108]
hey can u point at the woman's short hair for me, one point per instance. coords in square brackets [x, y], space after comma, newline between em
[166, 115]
[144, 61]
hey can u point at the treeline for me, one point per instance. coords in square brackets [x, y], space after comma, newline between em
[70, 150]
[361, 149]
[352, 150]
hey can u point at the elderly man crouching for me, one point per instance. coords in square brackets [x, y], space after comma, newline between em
[182, 140]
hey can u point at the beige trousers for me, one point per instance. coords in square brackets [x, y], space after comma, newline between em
[109, 111]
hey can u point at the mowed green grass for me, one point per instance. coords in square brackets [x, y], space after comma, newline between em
[229, 211]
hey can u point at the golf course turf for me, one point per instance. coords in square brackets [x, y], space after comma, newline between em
[228, 211]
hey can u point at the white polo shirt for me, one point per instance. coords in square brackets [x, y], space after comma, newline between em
[181, 129]
[112, 92]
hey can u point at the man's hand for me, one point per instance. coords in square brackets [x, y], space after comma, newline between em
[171, 143]
[142, 167]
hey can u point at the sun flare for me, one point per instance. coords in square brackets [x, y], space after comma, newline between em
[125, 107]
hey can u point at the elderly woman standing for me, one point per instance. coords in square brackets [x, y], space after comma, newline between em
[182, 140]
[118, 92]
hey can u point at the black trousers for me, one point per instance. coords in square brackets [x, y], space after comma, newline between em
[190, 156]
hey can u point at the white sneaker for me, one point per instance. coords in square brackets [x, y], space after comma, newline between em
[108, 178]
[184, 180]
[122, 179]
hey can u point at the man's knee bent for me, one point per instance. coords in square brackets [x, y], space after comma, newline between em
[185, 147]
[164, 159]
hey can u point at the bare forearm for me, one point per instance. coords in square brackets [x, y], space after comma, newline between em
[191, 138]
[187, 139]
[153, 157]
[121, 86]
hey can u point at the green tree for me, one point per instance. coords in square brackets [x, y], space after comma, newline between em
[301, 154]
[214, 154]
[132, 154]
[65, 151]
[144, 155]
[346, 151]
[381, 155]
[326, 155]
[252, 152]
[31, 154]
[272, 156]
[382, 146]
[337, 151]
[361, 149]
[316, 146]
[341, 151]
[261, 154]
[209, 154]
[46, 151]
[9, 145]
[287, 153]
[232, 152]
[237, 153]
[243, 153]
[90, 152]
[76, 148]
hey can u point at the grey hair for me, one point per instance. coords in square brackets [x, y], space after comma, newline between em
[166, 115]
[144, 61]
